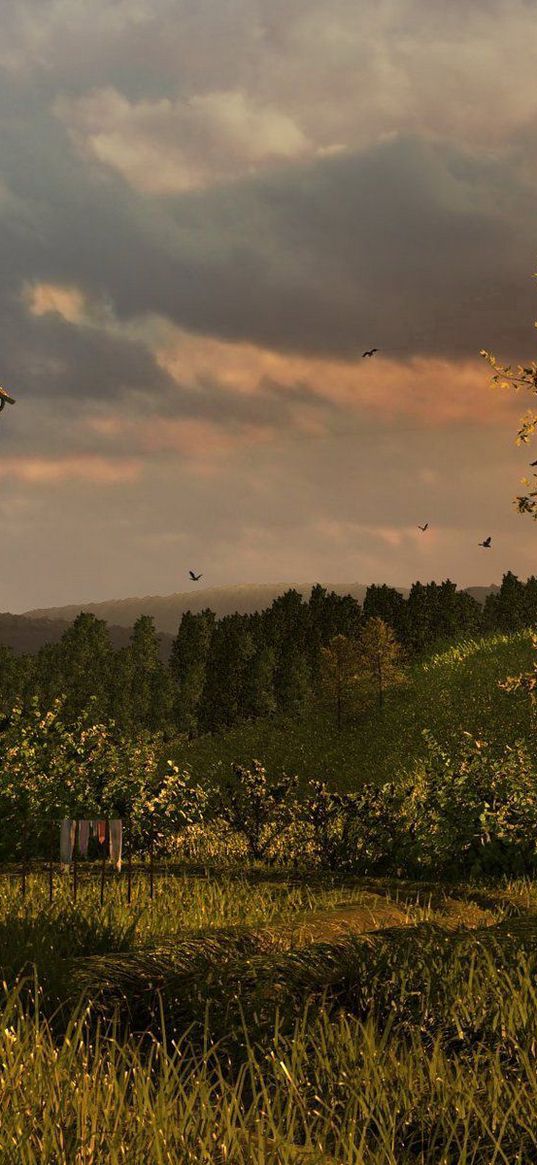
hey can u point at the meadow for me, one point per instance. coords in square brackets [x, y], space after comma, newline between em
[281, 1016]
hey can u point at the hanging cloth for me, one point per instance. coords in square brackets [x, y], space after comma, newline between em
[67, 840]
[116, 841]
[83, 838]
[101, 832]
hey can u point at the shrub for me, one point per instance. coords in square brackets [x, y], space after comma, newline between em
[258, 809]
[473, 812]
[358, 831]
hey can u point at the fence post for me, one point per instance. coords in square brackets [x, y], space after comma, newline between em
[75, 862]
[24, 857]
[50, 861]
[103, 863]
[151, 859]
[129, 860]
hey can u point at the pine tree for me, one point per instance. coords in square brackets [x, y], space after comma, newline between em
[188, 666]
[510, 604]
[259, 698]
[530, 602]
[389, 604]
[151, 691]
[292, 680]
[223, 700]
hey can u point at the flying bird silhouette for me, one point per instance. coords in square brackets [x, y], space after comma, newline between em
[194, 576]
[423, 527]
[486, 542]
[370, 352]
[4, 396]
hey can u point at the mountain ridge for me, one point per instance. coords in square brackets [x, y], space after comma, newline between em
[167, 610]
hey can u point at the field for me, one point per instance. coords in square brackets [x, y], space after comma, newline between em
[449, 690]
[254, 1014]
[263, 1019]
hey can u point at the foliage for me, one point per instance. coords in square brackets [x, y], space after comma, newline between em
[381, 657]
[523, 376]
[358, 831]
[339, 674]
[471, 811]
[50, 770]
[258, 809]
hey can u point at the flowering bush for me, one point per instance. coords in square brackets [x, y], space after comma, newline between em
[474, 811]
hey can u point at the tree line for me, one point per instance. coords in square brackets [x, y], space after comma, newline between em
[242, 667]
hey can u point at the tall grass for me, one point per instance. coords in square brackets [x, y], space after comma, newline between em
[199, 1028]
[331, 1087]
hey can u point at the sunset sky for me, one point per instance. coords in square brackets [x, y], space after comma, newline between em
[208, 210]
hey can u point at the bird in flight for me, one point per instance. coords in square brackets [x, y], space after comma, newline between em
[194, 576]
[486, 542]
[423, 527]
[4, 396]
[371, 352]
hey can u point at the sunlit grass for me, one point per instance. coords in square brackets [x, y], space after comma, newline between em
[452, 688]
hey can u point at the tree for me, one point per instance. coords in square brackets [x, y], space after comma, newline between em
[340, 668]
[149, 684]
[381, 657]
[525, 376]
[78, 668]
[188, 666]
[259, 698]
[389, 604]
[510, 604]
[231, 649]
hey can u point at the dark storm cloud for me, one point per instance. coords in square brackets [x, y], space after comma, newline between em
[311, 178]
[412, 246]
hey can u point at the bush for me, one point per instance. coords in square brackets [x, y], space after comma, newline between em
[356, 831]
[472, 812]
[258, 809]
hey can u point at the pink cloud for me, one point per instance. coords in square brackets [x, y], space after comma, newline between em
[431, 390]
[68, 302]
[46, 471]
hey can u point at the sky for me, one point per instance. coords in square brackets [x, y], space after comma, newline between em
[208, 211]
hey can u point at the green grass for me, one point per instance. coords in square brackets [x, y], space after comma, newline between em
[263, 1018]
[414, 1044]
[454, 689]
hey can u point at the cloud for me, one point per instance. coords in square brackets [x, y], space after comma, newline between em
[165, 146]
[433, 391]
[207, 213]
[67, 302]
[98, 470]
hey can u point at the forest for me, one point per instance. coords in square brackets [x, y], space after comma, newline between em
[222, 672]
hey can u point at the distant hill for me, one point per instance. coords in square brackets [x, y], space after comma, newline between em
[480, 593]
[167, 610]
[25, 635]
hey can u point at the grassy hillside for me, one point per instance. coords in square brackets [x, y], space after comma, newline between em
[451, 691]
